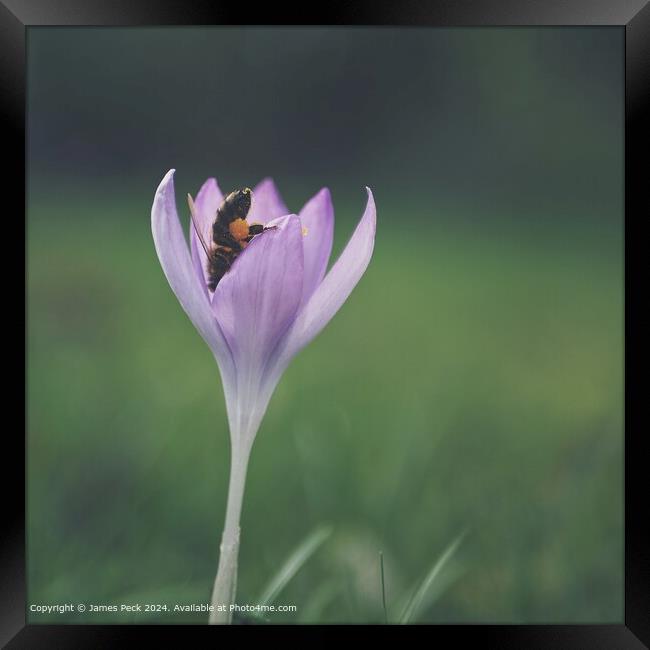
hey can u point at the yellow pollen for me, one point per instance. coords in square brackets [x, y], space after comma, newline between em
[304, 231]
[238, 229]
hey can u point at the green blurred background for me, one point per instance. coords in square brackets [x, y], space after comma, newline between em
[472, 382]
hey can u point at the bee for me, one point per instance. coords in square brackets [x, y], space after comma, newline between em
[231, 233]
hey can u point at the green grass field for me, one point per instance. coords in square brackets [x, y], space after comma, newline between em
[473, 382]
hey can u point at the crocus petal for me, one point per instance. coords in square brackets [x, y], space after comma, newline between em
[255, 303]
[206, 203]
[317, 217]
[267, 203]
[174, 257]
[328, 297]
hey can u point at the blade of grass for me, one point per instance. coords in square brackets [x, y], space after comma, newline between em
[383, 586]
[293, 564]
[414, 606]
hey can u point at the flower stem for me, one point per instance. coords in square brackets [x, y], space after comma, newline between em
[225, 584]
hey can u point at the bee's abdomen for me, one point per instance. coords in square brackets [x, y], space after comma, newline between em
[219, 262]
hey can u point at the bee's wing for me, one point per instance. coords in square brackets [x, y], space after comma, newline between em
[197, 226]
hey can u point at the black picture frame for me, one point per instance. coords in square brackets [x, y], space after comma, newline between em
[633, 16]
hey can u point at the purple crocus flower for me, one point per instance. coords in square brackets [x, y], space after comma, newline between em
[273, 301]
